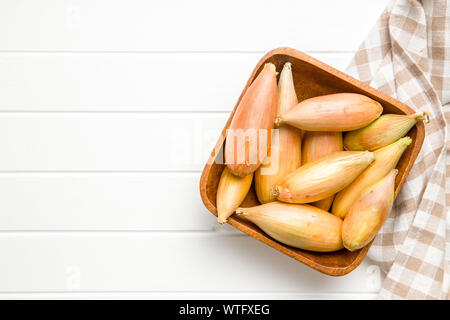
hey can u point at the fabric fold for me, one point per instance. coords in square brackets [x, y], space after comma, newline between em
[406, 55]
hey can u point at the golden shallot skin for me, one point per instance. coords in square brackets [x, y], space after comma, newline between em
[316, 145]
[385, 130]
[231, 191]
[285, 153]
[248, 137]
[369, 212]
[333, 112]
[386, 160]
[324, 177]
[300, 226]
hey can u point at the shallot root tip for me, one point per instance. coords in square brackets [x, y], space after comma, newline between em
[276, 192]
[271, 66]
[222, 220]
[421, 116]
[427, 117]
[278, 121]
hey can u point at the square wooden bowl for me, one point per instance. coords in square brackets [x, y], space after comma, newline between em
[311, 78]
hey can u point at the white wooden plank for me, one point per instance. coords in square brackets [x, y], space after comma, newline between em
[129, 81]
[196, 25]
[88, 201]
[107, 142]
[133, 262]
[187, 296]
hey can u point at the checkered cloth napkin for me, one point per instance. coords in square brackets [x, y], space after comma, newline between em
[407, 56]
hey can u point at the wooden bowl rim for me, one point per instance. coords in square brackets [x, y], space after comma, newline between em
[293, 53]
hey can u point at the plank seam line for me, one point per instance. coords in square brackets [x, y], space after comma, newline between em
[164, 51]
[12, 172]
[212, 232]
[184, 292]
[160, 111]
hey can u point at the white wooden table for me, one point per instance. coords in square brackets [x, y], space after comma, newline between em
[108, 110]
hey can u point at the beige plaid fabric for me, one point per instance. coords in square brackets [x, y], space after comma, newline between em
[407, 56]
